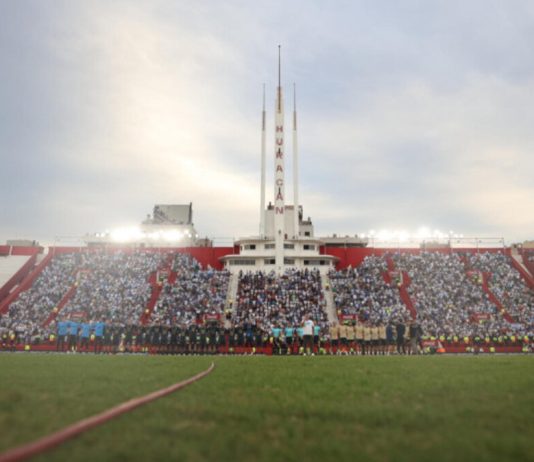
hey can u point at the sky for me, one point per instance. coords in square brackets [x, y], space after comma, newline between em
[412, 113]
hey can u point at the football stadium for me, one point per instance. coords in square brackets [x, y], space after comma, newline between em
[153, 343]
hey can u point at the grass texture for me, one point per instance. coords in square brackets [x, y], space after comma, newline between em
[275, 408]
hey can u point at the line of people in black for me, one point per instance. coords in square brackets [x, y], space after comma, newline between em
[180, 339]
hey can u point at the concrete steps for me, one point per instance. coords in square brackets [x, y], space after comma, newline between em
[231, 298]
[331, 312]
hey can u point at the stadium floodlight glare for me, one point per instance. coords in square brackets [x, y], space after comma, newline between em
[172, 235]
[126, 234]
[135, 234]
[423, 233]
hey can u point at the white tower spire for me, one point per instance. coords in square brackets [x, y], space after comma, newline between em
[279, 176]
[262, 193]
[295, 167]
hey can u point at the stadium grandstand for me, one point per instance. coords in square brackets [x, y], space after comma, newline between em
[161, 288]
[161, 299]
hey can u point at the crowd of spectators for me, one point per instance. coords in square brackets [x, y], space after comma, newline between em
[266, 300]
[507, 285]
[194, 294]
[447, 299]
[364, 293]
[31, 309]
[114, 287]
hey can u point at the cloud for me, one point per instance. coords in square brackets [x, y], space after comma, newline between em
[409, 114]
[418, 155]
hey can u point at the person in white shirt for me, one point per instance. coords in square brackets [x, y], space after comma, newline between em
[308, 334]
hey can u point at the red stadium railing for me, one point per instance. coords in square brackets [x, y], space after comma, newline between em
[493, 299]
[527, 277]
[19, 276]
[25, 284]
[528, 259]
[154, 296]
[405, 296]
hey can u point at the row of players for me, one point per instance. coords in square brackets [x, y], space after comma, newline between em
[365, 338]
[346, 338]
[376, 337]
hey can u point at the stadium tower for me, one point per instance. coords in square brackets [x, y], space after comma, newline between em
[262, 189]
[279, 175]
[285, 240]
[295, 168]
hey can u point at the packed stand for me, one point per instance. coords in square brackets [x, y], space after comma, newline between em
[445, 298]
[265, 300]
[114, 287]
[507, 285]
[363, 292]
[195, 294]
[31, 309]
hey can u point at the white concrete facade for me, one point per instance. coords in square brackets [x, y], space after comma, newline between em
[256, 254]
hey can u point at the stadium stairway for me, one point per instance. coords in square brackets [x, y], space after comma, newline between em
[25, 284]
[405, 282]
[64, 300]
[390, 263]
[331, 313]
[405, 296]
[526, 262]
[517, 263]
[231, 297]
[157, 287]
[387, 277]
[173, 275]
[493, 299]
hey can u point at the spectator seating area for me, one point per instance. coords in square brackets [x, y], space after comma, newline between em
[449, 297]
[446, 298]
[362, 293]
[30, 310]
[507, 285]
[113, 288]
[191, 295]
[448, 290]
[266, 300]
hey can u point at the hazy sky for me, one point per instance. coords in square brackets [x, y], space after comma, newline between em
[411, 113]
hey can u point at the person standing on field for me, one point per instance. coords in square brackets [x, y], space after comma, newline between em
[382, 338]
[73, 335]
[308, 335]
[366, 338]
[358, 334]
[99, 327]
[62, 332]
[343, 348]
[84, 336]
[390, 338]
[414, 338]
[375, 339]
[334, 338]
[401, 330]
[350, 338]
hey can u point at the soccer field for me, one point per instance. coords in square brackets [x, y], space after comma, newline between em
[276, 408]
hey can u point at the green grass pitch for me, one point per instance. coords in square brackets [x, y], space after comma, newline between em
[276, 408]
